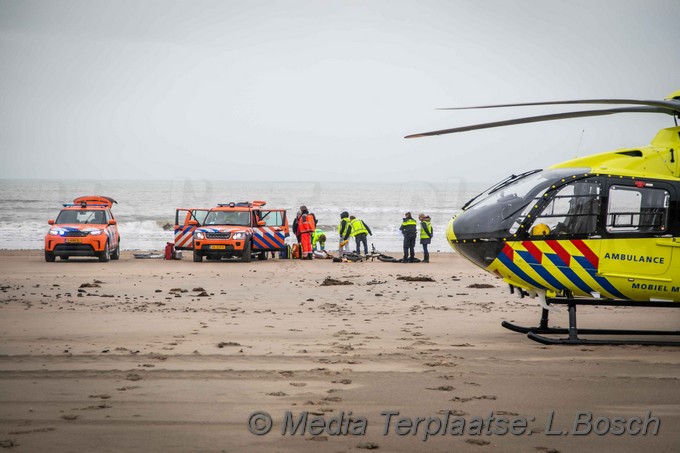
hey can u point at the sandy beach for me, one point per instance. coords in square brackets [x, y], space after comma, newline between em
[152, 355]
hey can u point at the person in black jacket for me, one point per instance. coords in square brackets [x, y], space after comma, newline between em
[409, 229]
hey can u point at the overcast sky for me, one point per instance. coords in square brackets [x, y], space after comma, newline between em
[320, 90]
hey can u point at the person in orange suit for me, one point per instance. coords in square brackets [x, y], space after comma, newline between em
[306, 224]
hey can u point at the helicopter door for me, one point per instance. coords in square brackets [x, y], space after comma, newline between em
[637, 223]
[564, 239]
[184, 233]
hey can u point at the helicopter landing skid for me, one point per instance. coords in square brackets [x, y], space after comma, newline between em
[537, 333]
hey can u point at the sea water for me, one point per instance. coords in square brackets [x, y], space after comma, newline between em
[146, 209]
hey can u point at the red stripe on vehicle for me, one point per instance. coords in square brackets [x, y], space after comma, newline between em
[589, 254]
[561, 252]
[509, 252]
[533, 250]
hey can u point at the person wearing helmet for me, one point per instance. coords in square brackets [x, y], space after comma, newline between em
[306, 224]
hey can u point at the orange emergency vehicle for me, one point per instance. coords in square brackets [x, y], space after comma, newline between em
[229, 230]
[85, 227]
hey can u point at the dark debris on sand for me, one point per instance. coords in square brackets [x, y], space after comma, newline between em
[333, 282]
[223, 344]
[480, 285]
[420, 278]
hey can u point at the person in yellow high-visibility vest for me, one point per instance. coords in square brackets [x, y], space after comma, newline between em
[426, 232]
[409, 229]
[359, 231]
[343, 226]
[319, 238]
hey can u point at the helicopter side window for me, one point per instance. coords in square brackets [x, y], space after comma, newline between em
[637, 209]
[573, 210]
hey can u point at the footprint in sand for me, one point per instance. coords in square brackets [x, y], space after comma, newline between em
[465, 400]
[103, 396]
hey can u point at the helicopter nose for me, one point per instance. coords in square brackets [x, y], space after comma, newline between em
[450, 234]
[478, 250]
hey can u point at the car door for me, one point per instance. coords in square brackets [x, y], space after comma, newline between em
[272, 235]
[112, 229]
[184, 231]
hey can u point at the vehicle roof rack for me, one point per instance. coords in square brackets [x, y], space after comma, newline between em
[246, 204]
[68, 205]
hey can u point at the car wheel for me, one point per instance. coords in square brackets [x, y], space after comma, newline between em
[197, 256]
[247, 248]
[262, 256]
[116, 253]
[105, 255]
[49, 257]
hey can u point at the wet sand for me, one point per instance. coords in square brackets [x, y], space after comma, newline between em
[152, 355]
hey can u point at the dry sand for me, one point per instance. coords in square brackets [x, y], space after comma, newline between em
[131, 365]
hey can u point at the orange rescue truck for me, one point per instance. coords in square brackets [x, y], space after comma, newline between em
[85, 227]
[242, 229]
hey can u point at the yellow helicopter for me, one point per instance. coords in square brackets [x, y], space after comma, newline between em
[598, 230]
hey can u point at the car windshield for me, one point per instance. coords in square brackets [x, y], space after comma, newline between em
[81, 216]
[240, 218]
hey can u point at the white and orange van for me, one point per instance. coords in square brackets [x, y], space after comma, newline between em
[85, 227]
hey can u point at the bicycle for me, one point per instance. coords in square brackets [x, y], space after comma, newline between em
[380, 256]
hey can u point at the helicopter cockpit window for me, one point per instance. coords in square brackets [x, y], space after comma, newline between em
[501, 211]
[637, 209]
[573, 210]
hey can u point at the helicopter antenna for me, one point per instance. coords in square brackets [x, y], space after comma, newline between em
[578, 148]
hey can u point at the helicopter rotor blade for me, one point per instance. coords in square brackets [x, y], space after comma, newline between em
[667, 104]
[551, 117]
